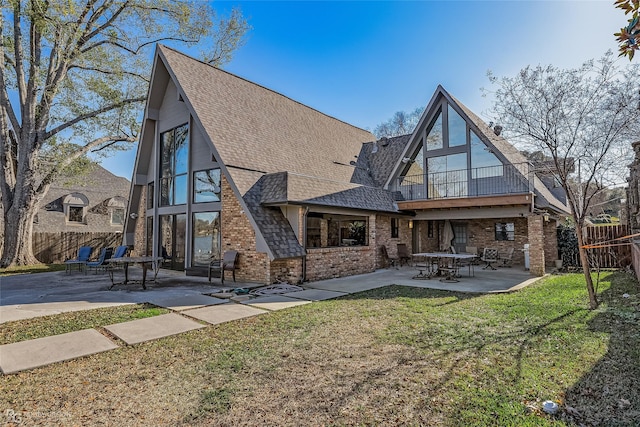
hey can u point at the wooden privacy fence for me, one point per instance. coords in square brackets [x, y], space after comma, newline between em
[53, 248]
[612, 254]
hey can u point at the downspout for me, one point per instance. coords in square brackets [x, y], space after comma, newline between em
[304, 243]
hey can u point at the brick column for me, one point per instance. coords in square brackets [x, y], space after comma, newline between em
[535, 228]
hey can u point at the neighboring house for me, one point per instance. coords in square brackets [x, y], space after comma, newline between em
[226, 164]
[94, 202]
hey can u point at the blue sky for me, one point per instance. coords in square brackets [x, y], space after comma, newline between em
[363, 61]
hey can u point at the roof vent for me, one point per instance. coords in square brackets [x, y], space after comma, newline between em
[497, 130]
[384, 141]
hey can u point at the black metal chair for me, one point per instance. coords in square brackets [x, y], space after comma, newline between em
[228, 263]
[490, 256]
[403, 254]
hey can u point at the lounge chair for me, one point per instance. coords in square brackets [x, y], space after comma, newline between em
[228, 263]
[121, 251]
[100, 263]
[84, 253]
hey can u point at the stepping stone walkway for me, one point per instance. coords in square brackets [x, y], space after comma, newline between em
[152, 328]
[44, 351]
[187, 302]
[275, 302]
[223, 313]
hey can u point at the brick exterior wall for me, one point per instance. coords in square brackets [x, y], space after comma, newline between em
[427, 244]
[139, 245]
[383, 237]
[482, 234]
[238, 234]
[328, 263]
[536, 245]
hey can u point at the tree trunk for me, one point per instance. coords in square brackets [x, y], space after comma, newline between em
[584, 260]
[18, 226]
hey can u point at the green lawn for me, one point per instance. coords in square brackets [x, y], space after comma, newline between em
[392, 356]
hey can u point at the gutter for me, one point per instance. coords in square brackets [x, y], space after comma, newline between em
[304, 243]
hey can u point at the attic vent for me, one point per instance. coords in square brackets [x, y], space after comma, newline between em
[497, 130]
[180, 99]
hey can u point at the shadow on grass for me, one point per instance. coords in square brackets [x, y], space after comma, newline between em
[609, 394]
[443, 297]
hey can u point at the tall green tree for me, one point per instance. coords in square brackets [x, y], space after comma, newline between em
[583, 119]
[73, 79]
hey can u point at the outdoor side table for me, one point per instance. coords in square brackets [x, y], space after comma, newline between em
[147, 262]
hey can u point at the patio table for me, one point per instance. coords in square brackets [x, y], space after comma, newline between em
[450, 273]
[145, 261]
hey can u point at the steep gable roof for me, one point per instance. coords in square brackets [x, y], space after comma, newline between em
[500, 146]
[255, 128]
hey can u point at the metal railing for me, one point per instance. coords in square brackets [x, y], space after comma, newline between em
[485, 181]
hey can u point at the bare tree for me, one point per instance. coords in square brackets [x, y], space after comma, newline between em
[401, 123]
[73, 76]
[583, 119]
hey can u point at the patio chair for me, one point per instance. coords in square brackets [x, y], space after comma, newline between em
[121, 251]
[490, 256]
[84, 253]
[403, 254]
[506, 260]
[228, 263]
[386, 259]
[473, 250]
[100, 263]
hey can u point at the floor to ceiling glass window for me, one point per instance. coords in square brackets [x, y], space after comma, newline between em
[174, 166]
[172, 239]
[449, 159]
[206, 238]
[447, 176]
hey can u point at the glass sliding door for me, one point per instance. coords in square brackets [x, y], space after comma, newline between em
[172, 240]
[206, 239]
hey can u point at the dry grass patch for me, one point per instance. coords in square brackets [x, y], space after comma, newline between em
[392, 356]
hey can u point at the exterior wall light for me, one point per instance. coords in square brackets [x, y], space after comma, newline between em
[410, 223]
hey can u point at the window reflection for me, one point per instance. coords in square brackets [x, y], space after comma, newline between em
[434, 137]
[457, 129]
[206, 238]
[174, 163]
[206, 186]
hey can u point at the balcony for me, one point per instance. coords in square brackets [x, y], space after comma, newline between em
[502, 185]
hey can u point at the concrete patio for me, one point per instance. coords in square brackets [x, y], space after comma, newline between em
[27, 296]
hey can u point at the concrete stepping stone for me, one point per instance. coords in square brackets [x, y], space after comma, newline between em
[315, 294]
[152, 328]
[44, 351]
[223, 313]
[275, 302]
[186, 302]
